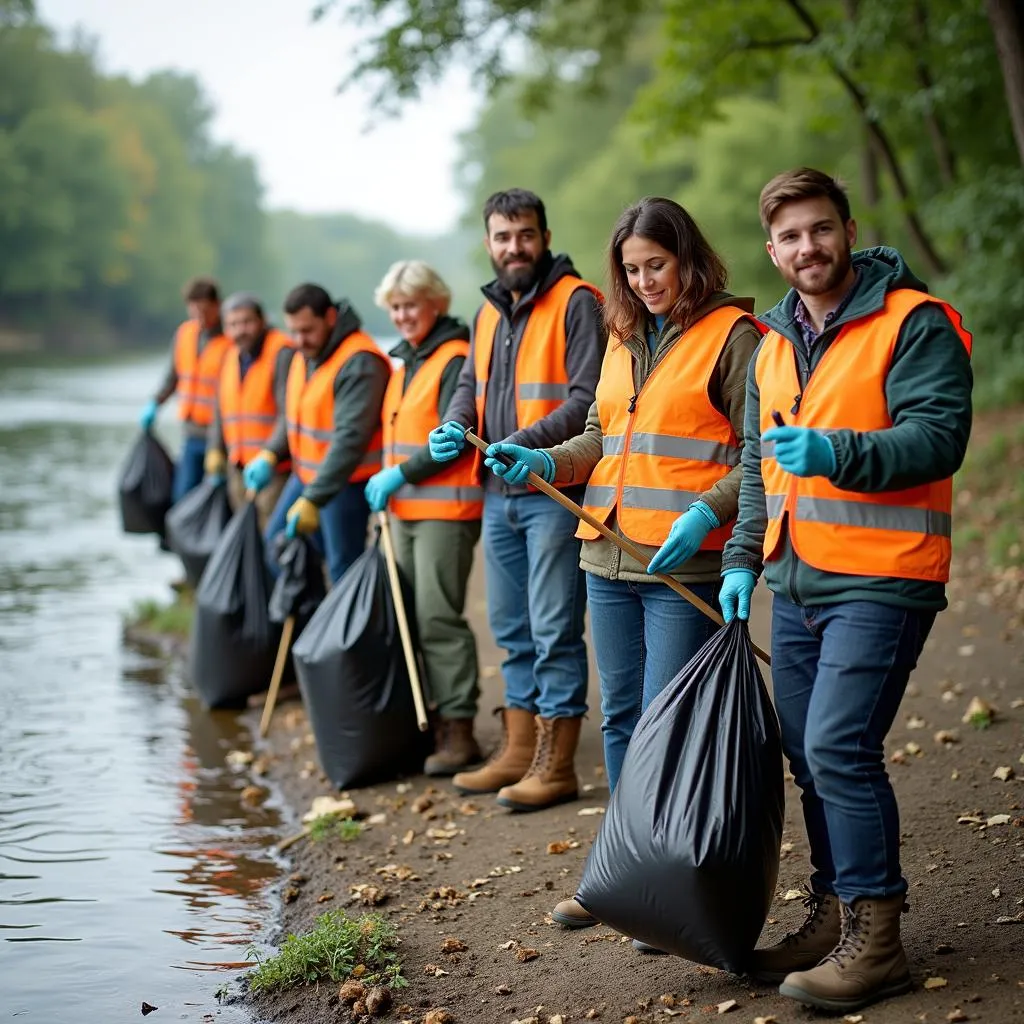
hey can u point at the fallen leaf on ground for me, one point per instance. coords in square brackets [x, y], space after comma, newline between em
[453, 945]
[854, 1018]
[369, 895]
[351, 991]
[252, 795]
[556, 1018]
[591, 1014]
[524, 954]
[325, 897]
[970, 819]
[727, 1006]
[914, 749]
[238, 758]
[965, 651]
[561, 845]
[502, 990]
[408, 838]
[997, 892]
[438, 1017]
[322, 805]
[586, 812]
[792, 894]
[979, 713]
[898, 757]
[508, 945]
[935, 983]
[765, 1020]
[916, 722]
[468, 809]
[1003, 773]
[422, 803]
[667, 1000]
[998, 819]
[947, 736]
[956, 1014]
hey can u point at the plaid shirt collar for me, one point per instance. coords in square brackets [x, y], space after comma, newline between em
[808, 331]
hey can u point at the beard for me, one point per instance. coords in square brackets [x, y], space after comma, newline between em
[519, 279]
[835, 273]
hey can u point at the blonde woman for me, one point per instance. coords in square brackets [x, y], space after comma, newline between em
[435, 508]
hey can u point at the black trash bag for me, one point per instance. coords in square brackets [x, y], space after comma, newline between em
[234, 643]
[354, 680]
[194, 526]
[687, 856]
[147, 481]
[301, 586]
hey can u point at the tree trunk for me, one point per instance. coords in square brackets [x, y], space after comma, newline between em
[944, 155]
[1007, 20]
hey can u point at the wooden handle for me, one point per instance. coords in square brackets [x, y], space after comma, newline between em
[623, 543]
[275, 679]
[403, 622]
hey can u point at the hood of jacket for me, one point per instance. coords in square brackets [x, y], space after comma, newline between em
[550, 269]
[447, 328]
[348, 323]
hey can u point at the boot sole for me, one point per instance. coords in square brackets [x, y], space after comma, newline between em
[447, 773]
[896, 988]
[566, 921]
[513, 805]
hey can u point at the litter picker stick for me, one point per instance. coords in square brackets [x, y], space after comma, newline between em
[275, 679]
[403, 622]
[622, 543]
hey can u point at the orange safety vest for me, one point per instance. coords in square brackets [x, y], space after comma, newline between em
[542, 381]
[666, 445]
[198, 372]
[454, 493]
[903, 534]
[310, 411]
[248, 408]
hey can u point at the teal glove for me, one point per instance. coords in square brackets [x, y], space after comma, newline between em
[148, 415]
[524, 462]
[685, 538]
[734, 597]
[258, 473]
[216, 479]
[382, 485]
[802, 451]
[446, 441]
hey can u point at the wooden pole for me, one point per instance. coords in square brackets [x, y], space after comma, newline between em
[275, 679]
[403, 622]
[623, 543]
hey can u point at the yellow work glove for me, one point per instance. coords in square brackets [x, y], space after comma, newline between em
[302, 517]
[214, 465]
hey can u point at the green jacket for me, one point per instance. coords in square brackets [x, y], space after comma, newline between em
[928, 391]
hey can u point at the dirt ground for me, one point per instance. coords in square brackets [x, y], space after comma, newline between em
[963, 852]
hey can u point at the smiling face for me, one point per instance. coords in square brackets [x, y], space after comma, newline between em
[652, 272]
[515, 246]
[811, 245]
[413, 316]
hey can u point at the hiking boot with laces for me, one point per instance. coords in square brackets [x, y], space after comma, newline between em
[510, 762]
[551, 778]
[803, 949]
[867, 964]
[455, 747]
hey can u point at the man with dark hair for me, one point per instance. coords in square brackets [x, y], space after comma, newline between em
[857, 416]
[197, 352]
[249, 416]
[334, 395]
[530, 379]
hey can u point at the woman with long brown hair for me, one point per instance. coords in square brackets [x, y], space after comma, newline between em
[661, 459]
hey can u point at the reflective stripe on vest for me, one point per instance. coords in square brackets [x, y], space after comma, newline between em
[902, 534]
[310, 411]
[674, 446]
[248, 406]
[198, 372]
[454, 493]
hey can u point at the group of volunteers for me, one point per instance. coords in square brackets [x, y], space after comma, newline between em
[814, 443]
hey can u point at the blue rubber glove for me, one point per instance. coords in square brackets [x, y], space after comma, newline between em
[148, 415]
[802, 451]
[382, 485]
[527, 461]
[216, 479]
[446, 441]
[685, 538]
[258, 473]
[734, 597]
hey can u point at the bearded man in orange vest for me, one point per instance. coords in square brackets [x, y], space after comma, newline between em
[197, 352]
[334, 396]
[529, 379]
[858, 414]
[249, 417]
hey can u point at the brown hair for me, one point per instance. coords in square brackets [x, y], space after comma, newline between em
[802, 183]
[701, 270]
[201, 289]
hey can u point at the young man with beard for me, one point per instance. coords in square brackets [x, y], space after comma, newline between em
[530, 379]
[846, 507]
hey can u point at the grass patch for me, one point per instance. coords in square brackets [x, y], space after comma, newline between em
[337, 947]
[331, 826]
[171, 619]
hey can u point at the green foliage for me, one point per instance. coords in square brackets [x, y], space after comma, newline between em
[331, 951]
[172, 619]
[330, 826]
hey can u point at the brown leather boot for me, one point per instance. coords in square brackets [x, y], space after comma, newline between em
[552, 776]
[455, 747]
[803, 949]
[867, 964]
[570, 914]
[510, 762]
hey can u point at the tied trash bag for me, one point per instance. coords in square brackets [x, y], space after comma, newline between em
[234, 643]
[194, 526]
[301, 587]
[354, 680]
[145, 486]
[688, 853]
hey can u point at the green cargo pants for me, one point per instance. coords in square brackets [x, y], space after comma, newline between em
[436, 556]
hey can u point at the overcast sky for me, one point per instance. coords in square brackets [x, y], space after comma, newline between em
[272, 76]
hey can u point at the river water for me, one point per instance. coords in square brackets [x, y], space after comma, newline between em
[130, 870]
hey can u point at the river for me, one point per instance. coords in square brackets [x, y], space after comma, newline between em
[130, 870]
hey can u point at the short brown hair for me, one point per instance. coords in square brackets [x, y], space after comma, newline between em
[802, 183]
[201, 289]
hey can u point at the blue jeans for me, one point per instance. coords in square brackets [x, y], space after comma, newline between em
[839, 674]
[341, 537]
[536, 603]
[643, 634]
[188, 470]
